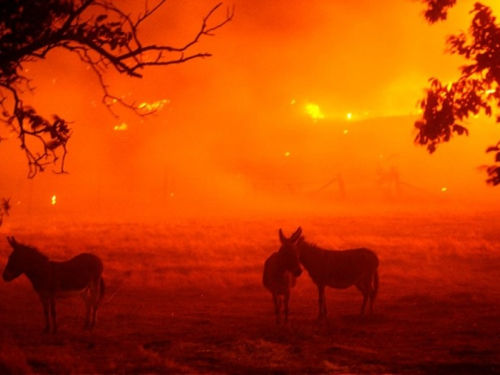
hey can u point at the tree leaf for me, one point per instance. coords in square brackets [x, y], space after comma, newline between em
[460, 130]
[101, 17]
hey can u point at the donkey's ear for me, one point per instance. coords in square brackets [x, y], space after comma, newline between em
[282, 236]
[296, 235]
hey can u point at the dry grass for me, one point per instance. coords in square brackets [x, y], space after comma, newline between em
[193, 302]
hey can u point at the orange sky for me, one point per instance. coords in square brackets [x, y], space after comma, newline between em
[235, 130]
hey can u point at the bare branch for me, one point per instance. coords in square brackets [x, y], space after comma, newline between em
[103, 36]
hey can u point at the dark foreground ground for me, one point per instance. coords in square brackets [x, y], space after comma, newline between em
[194, 303]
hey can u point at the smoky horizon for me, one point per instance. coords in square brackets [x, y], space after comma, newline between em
[300, 108]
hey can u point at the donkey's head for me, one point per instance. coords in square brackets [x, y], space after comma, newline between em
[288, 253]
[16, 265]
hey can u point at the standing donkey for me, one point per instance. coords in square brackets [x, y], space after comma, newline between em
[340, 269]
[281, 270]
[50, 279]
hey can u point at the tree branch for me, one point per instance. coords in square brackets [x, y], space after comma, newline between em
[101, 40]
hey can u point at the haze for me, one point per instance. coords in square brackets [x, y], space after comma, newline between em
[303, 106]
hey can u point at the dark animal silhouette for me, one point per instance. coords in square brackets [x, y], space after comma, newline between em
[340, 269]
[281, 270]
[50, 279]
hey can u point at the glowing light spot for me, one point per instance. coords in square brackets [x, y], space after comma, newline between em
[54, 200]
[153, 107]
[123, 126]
[444, 189]
[293, 102]
[287, 154]
[349, 116]
[346, 131]
[314, 111]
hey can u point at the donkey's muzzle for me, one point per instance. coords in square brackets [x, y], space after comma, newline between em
[297, 272]
[8, 276]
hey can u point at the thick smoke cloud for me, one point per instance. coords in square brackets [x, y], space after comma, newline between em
[234, 134]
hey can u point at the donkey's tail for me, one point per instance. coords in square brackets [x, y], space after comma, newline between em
[375, 284]
[102, 287]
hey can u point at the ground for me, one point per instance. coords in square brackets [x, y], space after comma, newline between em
[187, 297]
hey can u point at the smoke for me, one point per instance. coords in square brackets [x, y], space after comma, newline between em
[234, 135]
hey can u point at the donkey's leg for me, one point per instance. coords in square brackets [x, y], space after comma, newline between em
[363, 306]
[46, 312]
[95, 297]
[277, 308]
[364, 287]
[325, 309]
[93, 308]
[321, 302]
[88, 308]
[53, 314]
[286, 302]
[370, 306]
[374, 291]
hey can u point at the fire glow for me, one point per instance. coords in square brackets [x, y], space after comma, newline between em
[330, 110]
[153, 107]
[123, 126]
[314, 111]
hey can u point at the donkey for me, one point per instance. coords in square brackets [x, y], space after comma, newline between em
[340, 269]
[50, 279]
[281, 270]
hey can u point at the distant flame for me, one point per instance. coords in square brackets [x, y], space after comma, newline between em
[53, 200]
[153, 107]
[121, 127]
[314, 111]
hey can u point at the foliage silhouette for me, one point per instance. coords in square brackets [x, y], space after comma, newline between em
[476, 91]
[4, 209]
[103, 36]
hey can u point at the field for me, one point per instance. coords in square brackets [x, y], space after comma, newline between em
[187, 297]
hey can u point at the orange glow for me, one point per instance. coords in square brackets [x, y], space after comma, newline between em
[314, 111]
[236, 131]
[123, 126]
[153, 107]
[303, 116]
